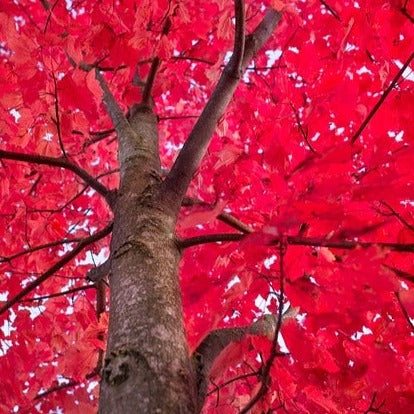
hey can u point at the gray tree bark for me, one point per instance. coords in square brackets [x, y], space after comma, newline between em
[148, 368]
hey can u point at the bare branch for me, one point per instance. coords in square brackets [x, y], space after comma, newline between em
[210, 238]
[401, 219]
[61, 163]
[177, 181]
[215, 342]
[65, 259]
[405, 12]
[227, 218]
[299, 241]
[273, 351]
[40, 247]
[234, 222]
[305, 134]
[98, 273]
[118, 118]
[239, 38]
[71, 383]
[400, 273]
[146, 94]
[382, 98]
[57, 120]
[56, 388]
[404, 311]
[331, 10]
[57, 294]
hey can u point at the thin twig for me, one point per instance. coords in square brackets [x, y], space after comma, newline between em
[382, 99]
[305, 134]
[273, 351]
[404, 11]
[404, 311]
[401, 219]
[61, 163]
[58, 265]
[40, 247]
[331, 10]
[400, 273]
[57, 120]
[57, 294]
[186, 164]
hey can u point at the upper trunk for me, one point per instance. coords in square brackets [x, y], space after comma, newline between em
[147, 367]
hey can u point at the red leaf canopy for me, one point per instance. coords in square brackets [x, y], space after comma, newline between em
[316, 149]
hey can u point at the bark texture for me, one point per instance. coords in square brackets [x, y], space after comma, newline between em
[147, 367]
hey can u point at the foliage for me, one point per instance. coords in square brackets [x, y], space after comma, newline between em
[314, 154]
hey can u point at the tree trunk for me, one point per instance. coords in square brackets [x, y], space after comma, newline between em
[147, 367]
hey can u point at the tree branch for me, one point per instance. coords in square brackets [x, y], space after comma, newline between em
[119, 120]
[39, 247]
[404, 311]
[273, 351]
[215, 342]
[331, 10]
[61, 163]
[65, 259]
[382, 99]
[57, 294]
[210, 238]
[57, 120]
[146, 94]
[239, 38]
[98, 273]
[227, 218]
[298, 241]
[178, 180]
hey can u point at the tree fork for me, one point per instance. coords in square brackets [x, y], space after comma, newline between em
[148, 368]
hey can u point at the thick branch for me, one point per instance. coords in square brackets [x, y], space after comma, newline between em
[65, 259]
[98, 273]
[118, 118]
[177, 181]
[382, 99]
[215, 342]
[62, 163]
[239, 38]
[299, 241]
[146, 94]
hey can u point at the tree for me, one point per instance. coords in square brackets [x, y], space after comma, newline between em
[229, 182]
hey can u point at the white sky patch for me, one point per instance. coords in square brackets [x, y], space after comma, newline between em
[273, 56]
[269, 261]
[408, 73]
[358, 334]
[34, 311]
[362, 70]
[15, 114]
[315, 137]
[301, 318]
[398, 136]
[233, 282]
[47, 137]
